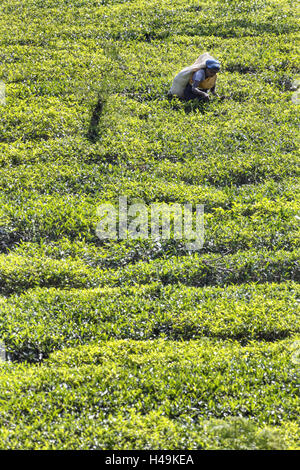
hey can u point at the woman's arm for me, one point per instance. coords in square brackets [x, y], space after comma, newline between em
[197, 78]
[196, 90]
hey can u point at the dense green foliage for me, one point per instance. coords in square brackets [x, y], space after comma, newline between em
[142, 344]
[43, 320]
[152, 394]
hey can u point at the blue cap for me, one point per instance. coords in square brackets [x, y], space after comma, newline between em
[213, 64]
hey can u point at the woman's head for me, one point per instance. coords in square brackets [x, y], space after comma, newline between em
[210, 72]
[212, 67]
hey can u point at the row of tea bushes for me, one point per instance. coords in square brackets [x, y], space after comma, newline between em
[17, 274]
[143, 394]
[39, 321]
[143, 20]
[149, 133]
[217, 173]
[277, 229]
[226, 170]
[261, 216]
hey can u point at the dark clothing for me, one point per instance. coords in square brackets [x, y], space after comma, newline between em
[189, 95]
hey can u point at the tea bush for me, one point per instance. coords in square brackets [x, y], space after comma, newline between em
[135, 394]
[140, 344]
[258, 266]
[42, 320]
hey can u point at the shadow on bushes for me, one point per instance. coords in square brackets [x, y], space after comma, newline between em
[188, 106]
[93, 132]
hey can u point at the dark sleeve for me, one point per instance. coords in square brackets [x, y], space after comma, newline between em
[198, 77]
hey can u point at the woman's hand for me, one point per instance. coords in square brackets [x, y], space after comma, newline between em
[196, 90]
[214, 93]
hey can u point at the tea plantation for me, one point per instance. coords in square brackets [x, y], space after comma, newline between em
[143, 343]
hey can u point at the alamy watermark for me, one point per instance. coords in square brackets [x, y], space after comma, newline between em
[295, 352]
[154, 221]
[295, 88]
[2, 351]
[2, 93]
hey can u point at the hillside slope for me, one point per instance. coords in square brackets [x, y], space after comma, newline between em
[145, 344]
